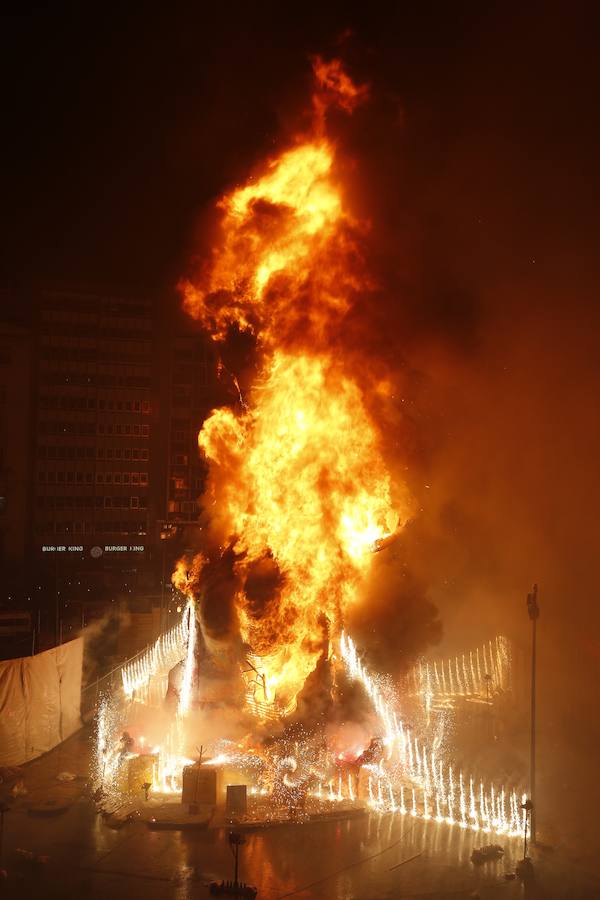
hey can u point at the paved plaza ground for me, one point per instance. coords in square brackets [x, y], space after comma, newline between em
[369, 857]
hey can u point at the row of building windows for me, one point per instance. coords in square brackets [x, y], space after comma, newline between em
[184, 506]
[88, 477]
[74, 307]
[121, 478]
[181, 482]
[82, 329]
[92, 502]
[116, 353]
[97, 379]
[126, 429]
[85, 527]
[49, 426]
[57, 401]
[69, 452]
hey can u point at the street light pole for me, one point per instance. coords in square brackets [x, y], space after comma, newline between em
[534, 612]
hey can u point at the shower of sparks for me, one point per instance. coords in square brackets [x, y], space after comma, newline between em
[478, 674]
[411, 762]
[168, 650]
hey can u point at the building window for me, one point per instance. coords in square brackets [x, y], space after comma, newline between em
[143, 478]
[135, 502]
[144, 454]
[99, 477]
[145, 430]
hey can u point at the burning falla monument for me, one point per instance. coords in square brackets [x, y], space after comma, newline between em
[299, 493]
[302, 492]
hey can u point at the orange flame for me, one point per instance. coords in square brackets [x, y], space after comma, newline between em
[297, 478]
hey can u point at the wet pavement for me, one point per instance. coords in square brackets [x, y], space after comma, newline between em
[371, 856]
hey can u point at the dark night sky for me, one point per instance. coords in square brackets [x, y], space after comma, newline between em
[479, 158]
[118, 129]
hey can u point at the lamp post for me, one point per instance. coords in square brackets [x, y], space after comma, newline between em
[534, 612]
[235, 842]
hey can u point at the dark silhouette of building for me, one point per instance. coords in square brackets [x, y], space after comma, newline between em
[101, 400]
[15, 442]
[96, 418]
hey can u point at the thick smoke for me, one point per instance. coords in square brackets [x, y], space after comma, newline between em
[484, 314]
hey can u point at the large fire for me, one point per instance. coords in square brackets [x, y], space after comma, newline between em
[298, 481]
[299, 498]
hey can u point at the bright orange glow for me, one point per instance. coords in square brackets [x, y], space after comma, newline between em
[337, 87]
[284, 235]
[297, 478]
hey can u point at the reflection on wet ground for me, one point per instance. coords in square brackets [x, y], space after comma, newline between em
[372, 856]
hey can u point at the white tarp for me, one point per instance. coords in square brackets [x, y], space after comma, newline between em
[39, 702]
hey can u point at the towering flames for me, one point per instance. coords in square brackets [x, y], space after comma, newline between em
[298, 487]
